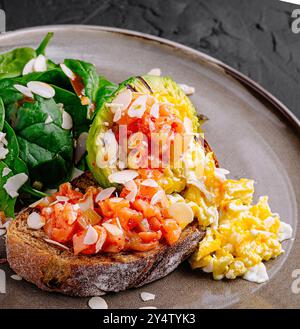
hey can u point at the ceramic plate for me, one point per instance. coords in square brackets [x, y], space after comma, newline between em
[252, 133]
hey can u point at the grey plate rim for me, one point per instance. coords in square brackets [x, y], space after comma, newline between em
[242, 78]
[275, 105]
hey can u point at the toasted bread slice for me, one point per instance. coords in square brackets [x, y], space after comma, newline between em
[52, 268]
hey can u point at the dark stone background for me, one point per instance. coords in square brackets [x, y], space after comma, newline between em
[254, 36]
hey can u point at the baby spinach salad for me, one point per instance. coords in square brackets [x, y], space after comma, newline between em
[46, 109]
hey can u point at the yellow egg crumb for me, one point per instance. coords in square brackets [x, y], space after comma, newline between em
[246, 233]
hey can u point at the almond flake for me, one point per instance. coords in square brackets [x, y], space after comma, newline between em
[132, 187]
[157, 197]
[3, 152]
[118, 222]
[87, 203]
[202, 188]
[80, 146]
[76, 173]
[16, 277]
[182, 213]
[113, 106]
[105, 194]
[61, 198]
[155, 71]
[41, 88]
[113, 229]
[122, 177]
[7, 223]
[123, 99]
[149, 182]
[36, 203]
[67, 71]
[221, 173]
[155, 110]
[138, 107]
[91, 236]
[40, 64]
[24, 90]
[2, 231]
[188, 90]
[14, 183]
[3, 139]
[67, 122]
[101, 240]
[97, 303]
[5, 171]
[56, 244]
[118, 114]
[48, 120]
[107, 154]
[146, 296]
[148, 308]
[35, 221]
[53, 203]
[28, 68]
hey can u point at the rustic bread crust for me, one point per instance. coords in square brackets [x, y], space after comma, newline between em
[57, 270]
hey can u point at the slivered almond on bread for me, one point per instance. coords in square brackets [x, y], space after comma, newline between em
[53, 268]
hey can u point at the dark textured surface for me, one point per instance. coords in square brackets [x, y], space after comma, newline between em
[253, 36]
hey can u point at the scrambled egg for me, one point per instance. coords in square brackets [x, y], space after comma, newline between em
[239, 235]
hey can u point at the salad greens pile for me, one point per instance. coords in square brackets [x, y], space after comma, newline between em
[38, 133]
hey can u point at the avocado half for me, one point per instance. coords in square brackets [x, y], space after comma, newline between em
[103, 121]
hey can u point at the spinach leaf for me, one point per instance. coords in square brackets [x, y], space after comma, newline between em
[88, 83]
[54, 76]
[47, 149]
[13, 62]
[73, 106]
[12, 159]
[12, 146]
[42, 48]
[43, 45]
[87, 74]
[16, 166]
[7, 204]
[105, 90]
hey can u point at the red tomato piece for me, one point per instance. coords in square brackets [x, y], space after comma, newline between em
[171, 231]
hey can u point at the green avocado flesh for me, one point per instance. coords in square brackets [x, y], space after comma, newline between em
[164, 86]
